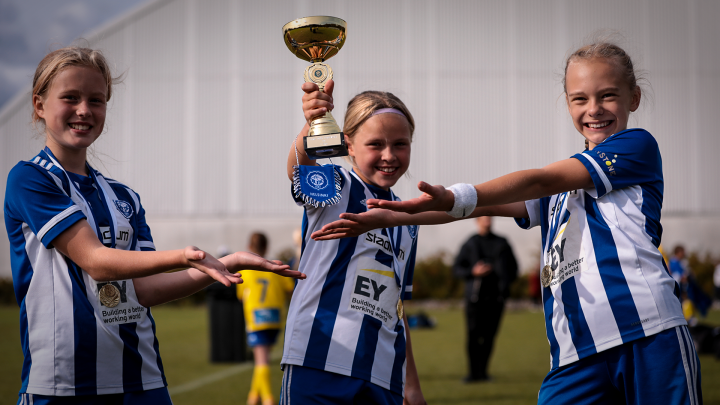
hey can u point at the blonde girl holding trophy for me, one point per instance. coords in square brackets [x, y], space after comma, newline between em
[346, 336]
[85, 269]
[612, 311]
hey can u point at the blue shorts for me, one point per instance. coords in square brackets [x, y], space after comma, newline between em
[306, 386]
[159, 396]
[658, 369]
[266, 337]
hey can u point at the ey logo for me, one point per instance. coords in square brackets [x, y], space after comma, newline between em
[363, 285]
[557, 254]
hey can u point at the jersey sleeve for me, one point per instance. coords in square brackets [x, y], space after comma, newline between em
[533, 208]
[37, 197]
[626, 159]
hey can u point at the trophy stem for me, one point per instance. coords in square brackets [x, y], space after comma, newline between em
[323, 125]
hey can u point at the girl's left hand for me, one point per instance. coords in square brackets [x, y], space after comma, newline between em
[250, 261]
[211, 266]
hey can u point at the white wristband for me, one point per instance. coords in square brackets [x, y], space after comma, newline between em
[465, 200]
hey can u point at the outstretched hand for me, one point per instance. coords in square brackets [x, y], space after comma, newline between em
[434, 198]
[211, 266]
[351, 225]
[250, 261]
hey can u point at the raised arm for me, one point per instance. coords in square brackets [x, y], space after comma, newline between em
[565, 175]
[315, 103]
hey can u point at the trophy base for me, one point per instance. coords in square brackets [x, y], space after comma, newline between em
[325, 146]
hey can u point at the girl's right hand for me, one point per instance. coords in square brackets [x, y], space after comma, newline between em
[315, 102]
[211, 266]
[434, 198]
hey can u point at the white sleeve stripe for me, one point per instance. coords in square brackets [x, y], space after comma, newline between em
[56, 219]
[37, 159]
[601, 174]
[408, 288]
[146, 244]
[58, 182]
[688, 374]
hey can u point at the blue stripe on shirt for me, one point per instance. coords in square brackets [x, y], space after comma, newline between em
[156, 347]
[25, 340]
[548, 302]
[331, 295]
[651, 210]
[132, 360]
[85, 333]
[608, 264]
[396, 376]
[579, 329]
[365, 348]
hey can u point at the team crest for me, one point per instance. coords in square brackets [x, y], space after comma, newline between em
[412, 229]
[124, 207]
[317, 180]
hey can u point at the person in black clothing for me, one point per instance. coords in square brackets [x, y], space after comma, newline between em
[487, 264]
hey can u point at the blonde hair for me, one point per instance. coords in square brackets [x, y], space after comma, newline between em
[362, 106]
[611, 52]
[61, 59]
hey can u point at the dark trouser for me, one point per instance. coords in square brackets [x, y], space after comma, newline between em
[483, 320]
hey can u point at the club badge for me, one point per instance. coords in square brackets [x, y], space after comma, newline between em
[124, 207]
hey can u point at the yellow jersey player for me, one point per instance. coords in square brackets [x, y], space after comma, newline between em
[264, 295]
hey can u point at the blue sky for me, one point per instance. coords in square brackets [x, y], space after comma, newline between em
[29, 29]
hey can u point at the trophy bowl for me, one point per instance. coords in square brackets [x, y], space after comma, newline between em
[315, 39]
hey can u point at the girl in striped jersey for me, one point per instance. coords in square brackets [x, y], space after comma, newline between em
[612, 311]
[85, 270]
[346, 337]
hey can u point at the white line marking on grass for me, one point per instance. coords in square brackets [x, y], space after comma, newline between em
[209, 379]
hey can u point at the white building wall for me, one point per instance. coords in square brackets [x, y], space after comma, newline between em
[210, 103]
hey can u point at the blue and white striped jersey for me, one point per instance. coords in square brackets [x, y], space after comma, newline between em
[72, 343]
[610, 285]
[343, 318]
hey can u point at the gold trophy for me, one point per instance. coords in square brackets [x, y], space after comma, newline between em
[316, 39]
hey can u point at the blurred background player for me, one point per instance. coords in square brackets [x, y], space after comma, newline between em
[487, 264]
[264, 296]
[679, 266]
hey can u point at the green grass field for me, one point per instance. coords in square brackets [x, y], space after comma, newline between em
[519, 365]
